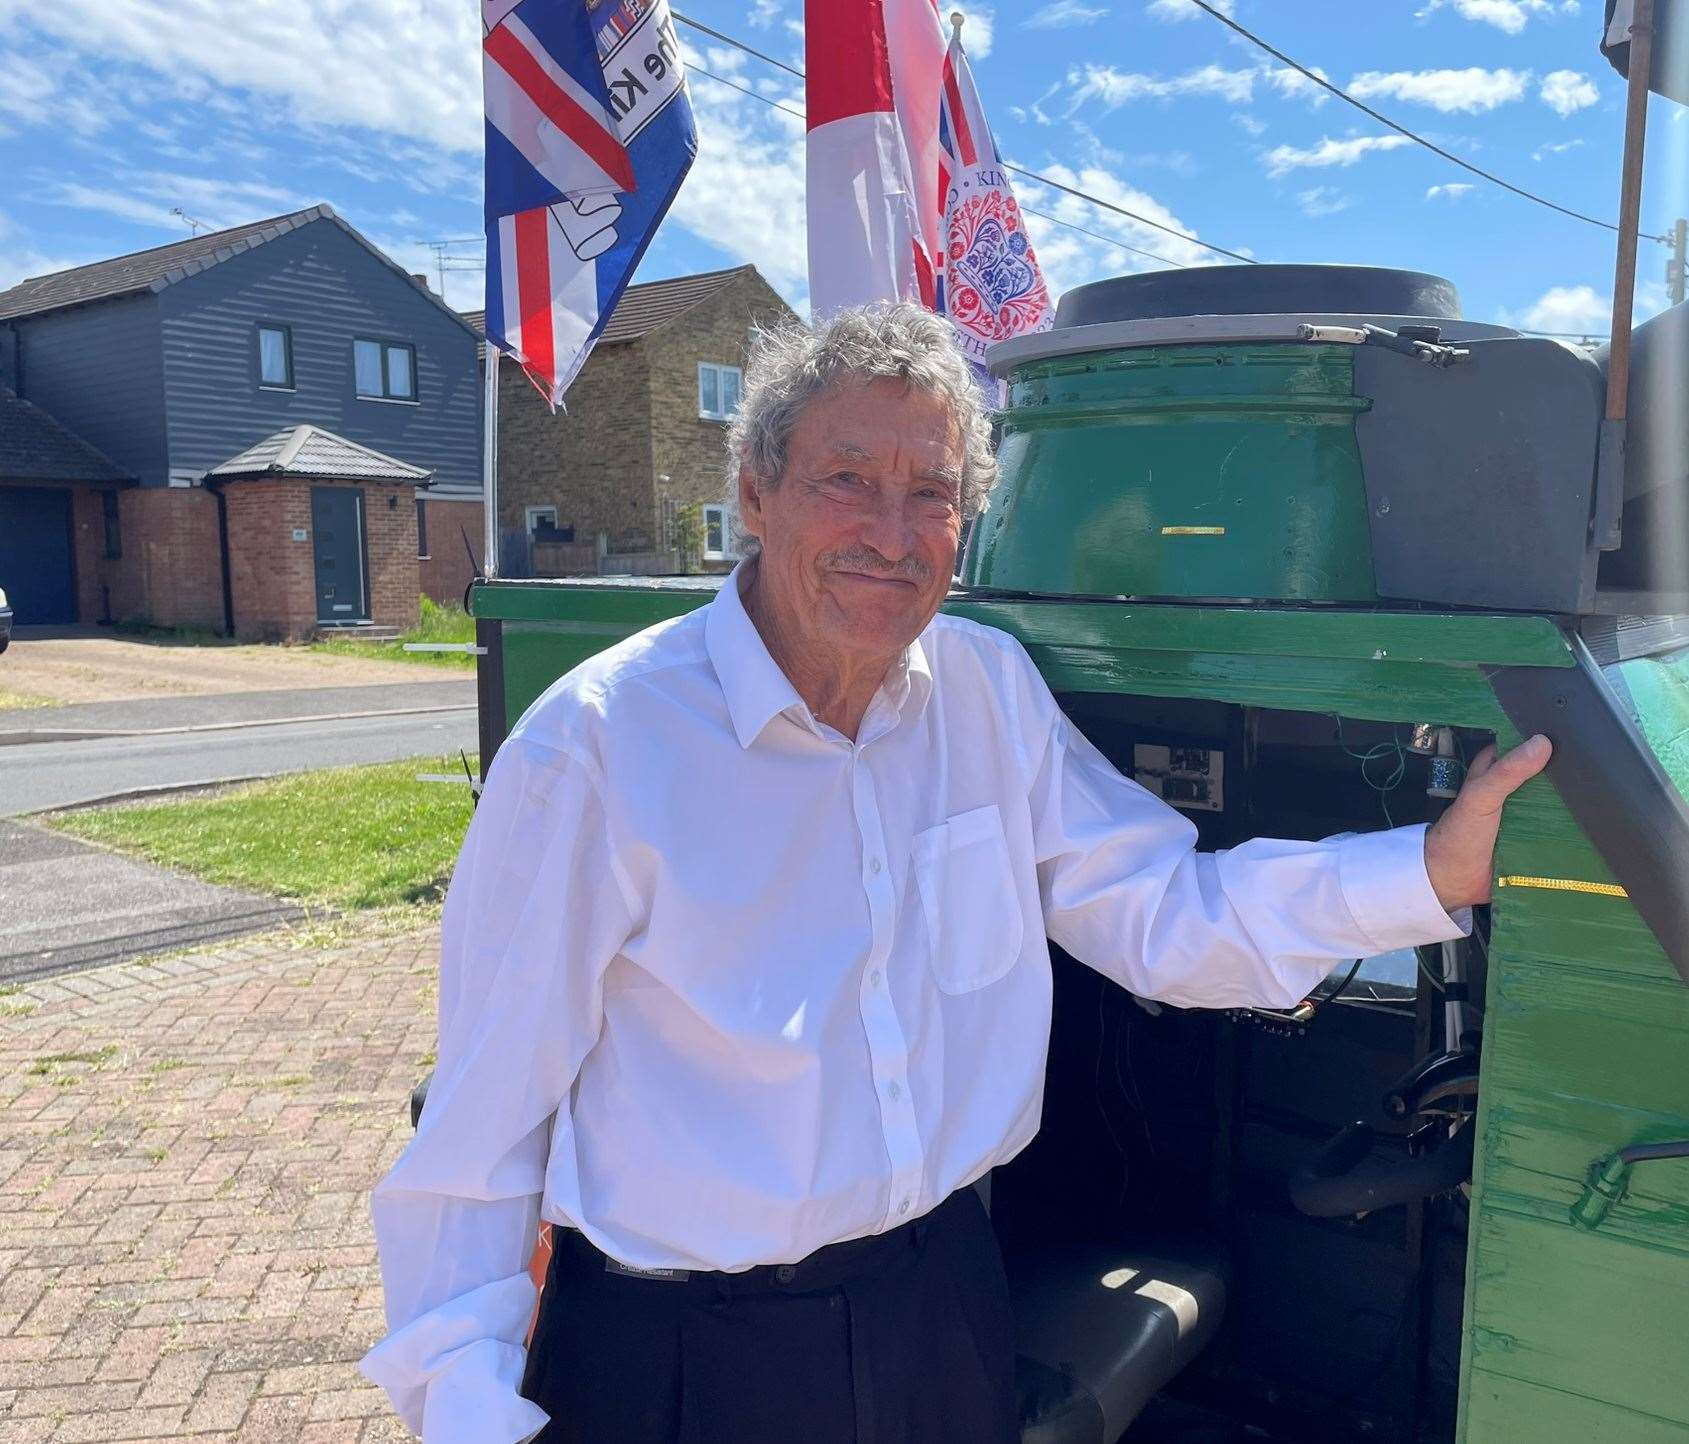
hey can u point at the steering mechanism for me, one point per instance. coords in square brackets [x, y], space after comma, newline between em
[1347, 1177]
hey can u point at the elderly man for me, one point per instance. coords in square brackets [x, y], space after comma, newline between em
[744, 976]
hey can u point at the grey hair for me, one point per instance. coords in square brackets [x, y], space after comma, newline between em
[791, 364]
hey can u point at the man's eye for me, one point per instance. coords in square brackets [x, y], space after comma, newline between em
[847, 478]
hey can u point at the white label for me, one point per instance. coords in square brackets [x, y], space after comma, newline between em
[299, 533]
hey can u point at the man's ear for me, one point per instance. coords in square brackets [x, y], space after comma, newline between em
[750, 503]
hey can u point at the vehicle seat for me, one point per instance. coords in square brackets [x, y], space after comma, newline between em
[1099, 1330]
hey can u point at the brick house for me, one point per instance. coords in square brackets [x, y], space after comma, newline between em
[274, 402]
[627, 475]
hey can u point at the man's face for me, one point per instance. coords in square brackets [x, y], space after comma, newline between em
[859, 536]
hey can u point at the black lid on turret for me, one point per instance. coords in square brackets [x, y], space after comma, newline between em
[1260, 290]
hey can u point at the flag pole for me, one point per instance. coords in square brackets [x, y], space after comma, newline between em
[489, 466]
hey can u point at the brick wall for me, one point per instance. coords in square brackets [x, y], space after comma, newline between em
[630, 417]
[445, 572]
[689, 450]
[169, 574]
[591, 460]
[273, 577]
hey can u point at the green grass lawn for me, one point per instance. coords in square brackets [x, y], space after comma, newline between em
[438, 624]
[344, 838]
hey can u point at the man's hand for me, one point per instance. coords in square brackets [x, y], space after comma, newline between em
[1460, 847]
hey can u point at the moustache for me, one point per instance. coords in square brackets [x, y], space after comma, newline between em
[866, 559]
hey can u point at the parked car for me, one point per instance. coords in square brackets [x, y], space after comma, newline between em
[5, 621]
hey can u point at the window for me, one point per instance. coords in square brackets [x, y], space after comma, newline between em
[275, 357]
[718, 534]
[384, 370]
[421, 528]
[114, 533]
[541, 518]
[718, 391]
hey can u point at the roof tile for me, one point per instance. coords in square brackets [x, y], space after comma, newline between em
[35, 447]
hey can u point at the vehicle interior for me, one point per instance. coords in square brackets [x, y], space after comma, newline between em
[1251, 1225]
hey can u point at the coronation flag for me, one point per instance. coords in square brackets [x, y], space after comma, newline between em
[589, 134]
[990, 284]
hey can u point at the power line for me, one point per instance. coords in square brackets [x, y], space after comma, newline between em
[1414, 136]
[695, 69]
[1018, 170]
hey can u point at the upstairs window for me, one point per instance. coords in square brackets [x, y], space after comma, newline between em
[275, 357]
[718, 391]
[384, 370]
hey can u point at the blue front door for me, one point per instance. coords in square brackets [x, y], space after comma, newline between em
[35, 554]
[337, 534]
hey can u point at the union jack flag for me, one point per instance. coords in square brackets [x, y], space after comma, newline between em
[589, 135]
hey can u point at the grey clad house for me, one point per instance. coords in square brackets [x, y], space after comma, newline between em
[181, 368]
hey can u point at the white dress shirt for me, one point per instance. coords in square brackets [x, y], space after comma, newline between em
[719, 986]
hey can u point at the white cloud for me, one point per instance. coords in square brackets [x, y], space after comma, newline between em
[1509, 16]
[1472, 89]
[1569, 308]
[1285, 158]
[1064, 15]
[1556, 148]
[1249, 123]
[1322, 201]
[979, 26]
[1293, 85]
[1176, 10]
[1113, 88]
[150, 198]
[389, 65]
[763, 13]
[745, 191]
[50, 89]
[1069, 259]
[1453, 191]
[1568, 91]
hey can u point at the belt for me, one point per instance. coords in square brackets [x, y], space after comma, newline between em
[827, 1268]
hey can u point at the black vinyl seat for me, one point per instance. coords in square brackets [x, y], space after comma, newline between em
[1099, 1330]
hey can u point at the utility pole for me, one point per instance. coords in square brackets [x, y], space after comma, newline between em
[1674, 267]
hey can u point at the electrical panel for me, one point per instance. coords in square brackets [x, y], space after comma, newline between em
[1188, 777]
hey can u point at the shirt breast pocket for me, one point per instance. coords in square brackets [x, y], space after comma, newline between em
[968, 896]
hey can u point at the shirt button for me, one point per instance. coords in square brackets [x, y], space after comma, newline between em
[874, 977]
[903, 1207]
[874, 866]
[894, 1090]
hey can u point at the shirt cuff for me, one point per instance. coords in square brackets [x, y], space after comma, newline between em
[476, 1395]
[1389, 893]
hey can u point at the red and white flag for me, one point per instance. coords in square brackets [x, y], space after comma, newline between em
[875, 71]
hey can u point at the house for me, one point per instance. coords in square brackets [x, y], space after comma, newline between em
[280, 425]
[627, 475]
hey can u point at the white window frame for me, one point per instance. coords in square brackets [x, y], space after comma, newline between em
[725, 515]
[532, 515]
[719, 372]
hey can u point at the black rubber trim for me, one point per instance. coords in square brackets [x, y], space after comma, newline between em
[1613, 785]
[489, 689]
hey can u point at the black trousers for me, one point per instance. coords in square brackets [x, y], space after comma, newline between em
[902, 1338]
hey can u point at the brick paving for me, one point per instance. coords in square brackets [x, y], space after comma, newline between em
[186, 1152]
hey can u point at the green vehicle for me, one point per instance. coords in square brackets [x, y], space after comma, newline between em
[1290, 543]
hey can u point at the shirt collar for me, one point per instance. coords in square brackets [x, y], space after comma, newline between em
[752, 682]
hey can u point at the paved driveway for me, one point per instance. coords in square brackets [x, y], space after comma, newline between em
[65, 905]
[185, 1249]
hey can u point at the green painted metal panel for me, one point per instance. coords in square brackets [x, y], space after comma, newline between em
[1181, 471]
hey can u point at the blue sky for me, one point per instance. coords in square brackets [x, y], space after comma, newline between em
[115, 113]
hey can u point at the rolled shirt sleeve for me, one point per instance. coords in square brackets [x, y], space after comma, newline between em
[1125, 891]
[536, 910]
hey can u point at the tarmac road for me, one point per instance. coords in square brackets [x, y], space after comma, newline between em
[39, 776]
